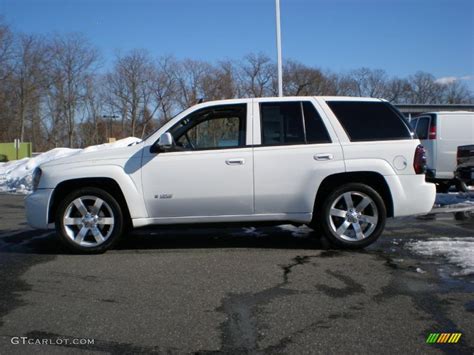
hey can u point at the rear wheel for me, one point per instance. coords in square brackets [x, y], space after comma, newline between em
[353, 216]
[89, 220]
[462, 216]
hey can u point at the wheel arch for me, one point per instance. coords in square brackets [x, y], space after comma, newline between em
[107, 184]
[370, 178]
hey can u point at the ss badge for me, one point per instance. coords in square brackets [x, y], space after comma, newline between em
[164, 196]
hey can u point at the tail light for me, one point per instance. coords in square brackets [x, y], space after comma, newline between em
[432, 131]
[419, 162]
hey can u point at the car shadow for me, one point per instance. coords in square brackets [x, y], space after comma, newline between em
[251, 237]
[46, 242]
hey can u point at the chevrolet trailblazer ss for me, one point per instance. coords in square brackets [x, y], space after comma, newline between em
[340, 165]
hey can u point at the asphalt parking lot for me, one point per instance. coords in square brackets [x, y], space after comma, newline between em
[262, 290]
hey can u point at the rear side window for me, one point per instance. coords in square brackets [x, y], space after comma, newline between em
[422, 127]
[370, 121]
[282, 123]
[286, 123]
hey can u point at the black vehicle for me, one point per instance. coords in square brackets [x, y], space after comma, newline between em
[465, 166]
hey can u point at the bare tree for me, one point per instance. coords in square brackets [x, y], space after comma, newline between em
[456, 92]
[51, 92]
[73, 61]
[219, 82]
[6, 99]
[299, 79]
[163, 86]
[129, 88]
[425, 89]
[29, 80]
[6, 50]
[256, 75]
[398, 91]
[190, 75]
[368, 82]
[93, 102]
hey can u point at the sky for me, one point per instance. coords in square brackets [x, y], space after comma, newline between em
[399, 36]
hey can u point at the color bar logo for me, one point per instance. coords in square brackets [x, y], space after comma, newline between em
[443, 338]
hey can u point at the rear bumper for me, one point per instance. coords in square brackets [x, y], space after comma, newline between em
[37, 207]
[411, 194]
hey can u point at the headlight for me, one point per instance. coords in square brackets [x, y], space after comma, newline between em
[36, 178]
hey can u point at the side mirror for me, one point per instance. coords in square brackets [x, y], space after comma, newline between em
[165, 142]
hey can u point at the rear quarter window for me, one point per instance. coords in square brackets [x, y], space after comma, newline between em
[422, 127]
[370, 121]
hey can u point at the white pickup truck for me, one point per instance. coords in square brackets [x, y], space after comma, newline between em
[338, 164]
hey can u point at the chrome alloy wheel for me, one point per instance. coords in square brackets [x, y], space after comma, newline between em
[353, 216]
[88, 221]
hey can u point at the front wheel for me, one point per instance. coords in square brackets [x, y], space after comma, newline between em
[89, 220]
[353, 216]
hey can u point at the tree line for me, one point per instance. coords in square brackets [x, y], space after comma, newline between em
[54, 91]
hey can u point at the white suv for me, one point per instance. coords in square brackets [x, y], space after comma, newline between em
[341, 165]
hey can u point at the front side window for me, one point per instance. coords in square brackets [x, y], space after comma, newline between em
[284, 123]
[212, 128]
[370, 120]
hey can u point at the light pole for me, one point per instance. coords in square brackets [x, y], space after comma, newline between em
[110, 118]
[278, 38]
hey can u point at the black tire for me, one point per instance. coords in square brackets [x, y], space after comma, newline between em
[462, 216]
[443, 187]
[375, 210]
[461, 186]
[110, 210]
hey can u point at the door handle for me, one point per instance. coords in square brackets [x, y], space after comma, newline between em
[235, 161]
[324, 156]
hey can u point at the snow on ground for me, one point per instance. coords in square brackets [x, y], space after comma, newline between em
[253, 232]
[16, 175]
[458, 251]
[301, 231]
[464, 198]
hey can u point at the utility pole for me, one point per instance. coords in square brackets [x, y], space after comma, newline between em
[278, 38]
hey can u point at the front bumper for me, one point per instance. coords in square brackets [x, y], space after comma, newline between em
[37, 208]
[411, 194]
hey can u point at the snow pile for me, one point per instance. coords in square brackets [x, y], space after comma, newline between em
[117, 144]
[16, 175]
[458, 251]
